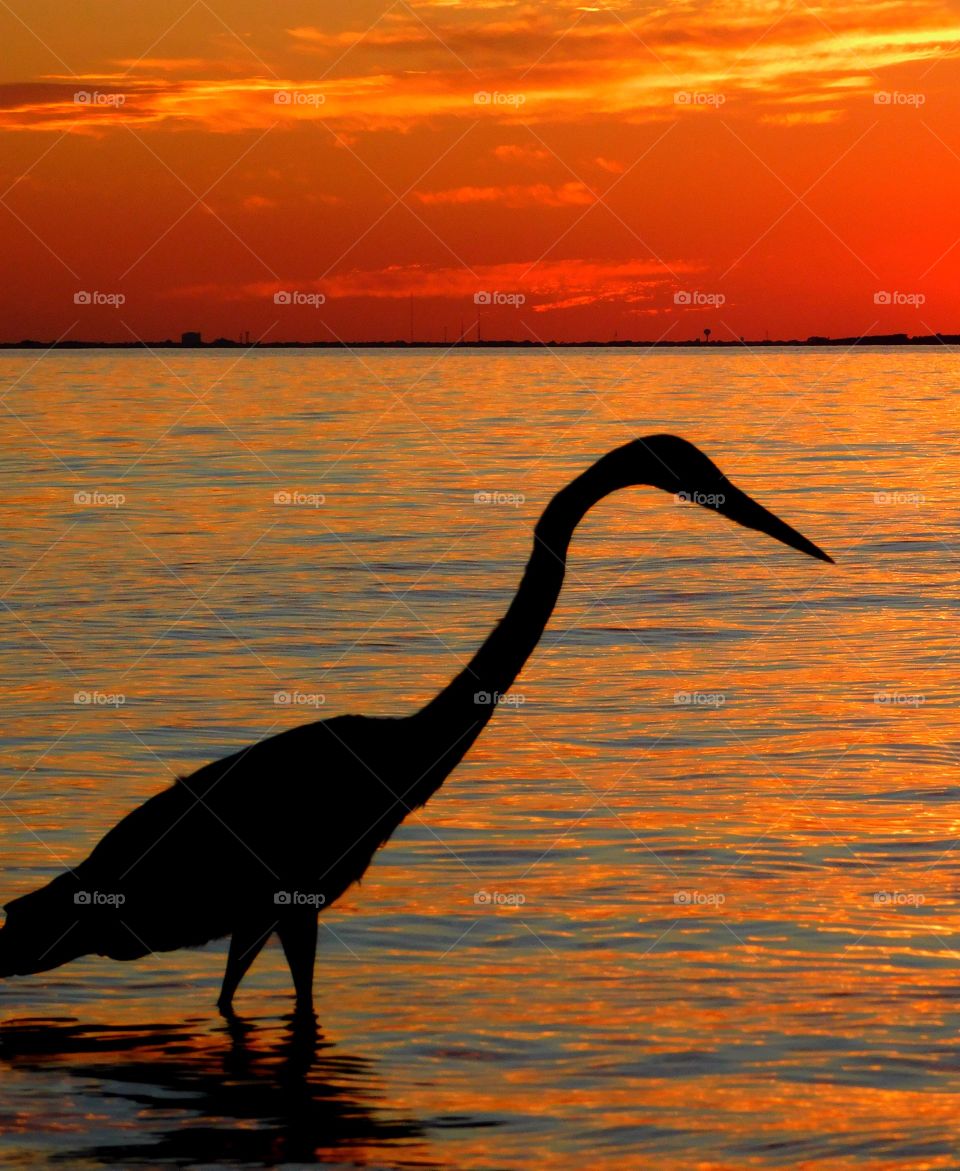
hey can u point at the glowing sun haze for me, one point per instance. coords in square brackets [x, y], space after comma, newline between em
[644, 170]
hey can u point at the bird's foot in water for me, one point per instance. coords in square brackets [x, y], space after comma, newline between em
[304, 1011]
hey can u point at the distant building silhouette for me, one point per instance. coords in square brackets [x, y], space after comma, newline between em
[191, 338]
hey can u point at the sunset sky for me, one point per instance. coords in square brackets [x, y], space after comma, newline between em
[641, 170]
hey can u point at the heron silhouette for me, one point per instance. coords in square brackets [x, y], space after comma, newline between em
[262, 840]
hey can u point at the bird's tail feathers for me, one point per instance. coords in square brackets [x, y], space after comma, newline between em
[46, 928]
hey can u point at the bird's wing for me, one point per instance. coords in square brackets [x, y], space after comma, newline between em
[302, 811]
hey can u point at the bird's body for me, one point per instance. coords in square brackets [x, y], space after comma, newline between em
[262, 840]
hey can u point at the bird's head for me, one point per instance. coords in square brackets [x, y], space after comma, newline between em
[674, 465]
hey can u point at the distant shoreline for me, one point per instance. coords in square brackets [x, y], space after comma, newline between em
[891, 339]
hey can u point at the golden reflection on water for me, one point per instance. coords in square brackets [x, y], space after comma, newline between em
[692, 902]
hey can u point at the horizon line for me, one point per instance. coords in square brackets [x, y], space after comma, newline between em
[194, 342]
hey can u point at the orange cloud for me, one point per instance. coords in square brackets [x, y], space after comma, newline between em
[414, 68]
[259, 202]
[511, 152]
[548, 285]
[536, 195]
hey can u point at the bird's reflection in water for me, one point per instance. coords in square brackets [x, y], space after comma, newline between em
[267, 1093]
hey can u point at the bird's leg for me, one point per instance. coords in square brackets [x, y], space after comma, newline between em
[298, 935]
[246, 943]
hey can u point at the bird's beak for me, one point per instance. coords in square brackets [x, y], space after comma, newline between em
[743, 509]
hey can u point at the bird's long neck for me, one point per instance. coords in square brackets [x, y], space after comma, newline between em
[458, 714]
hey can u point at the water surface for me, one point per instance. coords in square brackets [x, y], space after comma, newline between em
[691, 899]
